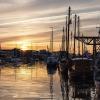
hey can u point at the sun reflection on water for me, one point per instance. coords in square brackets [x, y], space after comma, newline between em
[26, 82]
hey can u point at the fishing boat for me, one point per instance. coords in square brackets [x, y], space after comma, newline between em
[81, 70]
[97, 76]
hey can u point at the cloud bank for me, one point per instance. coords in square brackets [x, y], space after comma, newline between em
[29, 17]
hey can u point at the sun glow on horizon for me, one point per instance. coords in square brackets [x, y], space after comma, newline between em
[24, 45]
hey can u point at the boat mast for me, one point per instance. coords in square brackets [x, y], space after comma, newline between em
[75, 33]
[71, 39]
[66, 35]
[51, 41]
[69, 22]
[63, 40]
[78, 25]
[82, 47]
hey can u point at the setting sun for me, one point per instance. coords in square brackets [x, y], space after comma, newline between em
[24, 45]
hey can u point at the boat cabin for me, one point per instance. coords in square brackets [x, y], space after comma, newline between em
[82, 64]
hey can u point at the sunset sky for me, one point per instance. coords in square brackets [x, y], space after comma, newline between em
[29, 21]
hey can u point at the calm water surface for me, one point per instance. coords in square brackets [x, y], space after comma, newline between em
[37, 82]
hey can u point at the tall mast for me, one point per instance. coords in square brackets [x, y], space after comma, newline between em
[82, 47]
[78, 25]
[63, 40]
[51, 41]
[69, 22]
[66, 35]
[71, 39]
[75, 33]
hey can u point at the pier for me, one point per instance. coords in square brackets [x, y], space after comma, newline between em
[93, 41]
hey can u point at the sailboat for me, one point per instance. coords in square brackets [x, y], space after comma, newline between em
[52, 60]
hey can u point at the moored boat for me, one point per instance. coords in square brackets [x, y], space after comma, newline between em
[81, 70]
[52, 61]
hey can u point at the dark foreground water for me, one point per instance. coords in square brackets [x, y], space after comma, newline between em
[37, 82]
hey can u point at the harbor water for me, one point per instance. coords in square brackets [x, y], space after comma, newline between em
[37, 82]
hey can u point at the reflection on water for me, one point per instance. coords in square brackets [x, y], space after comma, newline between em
[29, 83]
[51, 70]
[41, 82]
